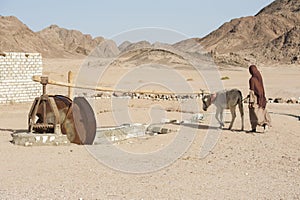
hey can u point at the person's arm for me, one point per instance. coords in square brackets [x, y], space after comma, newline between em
[251, 98]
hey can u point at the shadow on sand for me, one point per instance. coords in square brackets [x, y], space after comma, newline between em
[286, 114]
[200, 126]
[206, 127]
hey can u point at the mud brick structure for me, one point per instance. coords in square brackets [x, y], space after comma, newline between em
[16, 71]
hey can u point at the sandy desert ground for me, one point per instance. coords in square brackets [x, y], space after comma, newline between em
[241, 166]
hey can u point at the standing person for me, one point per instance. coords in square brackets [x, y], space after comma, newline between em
[259, 115]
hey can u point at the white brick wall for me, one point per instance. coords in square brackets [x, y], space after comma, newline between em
[16, 71]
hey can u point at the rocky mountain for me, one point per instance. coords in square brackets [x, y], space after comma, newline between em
[105, 49]
[124, 45]
[136, 45]
[70, 41]
[189, 45]
[285, 48]
[271, 36]
[287, 8]
[53, 41]
[16, 36]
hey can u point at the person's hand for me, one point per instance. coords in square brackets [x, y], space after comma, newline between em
[250, 105]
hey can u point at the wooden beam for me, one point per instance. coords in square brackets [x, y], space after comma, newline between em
[97, 88]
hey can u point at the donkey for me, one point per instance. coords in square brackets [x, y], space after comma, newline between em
[227, 99]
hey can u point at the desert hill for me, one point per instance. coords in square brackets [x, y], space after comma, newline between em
[105, 49]
[287, 8]
[124, 45]
[16, 36]
[285, 48]
[70, 41]
[136, 45]
[270, 36]
[53, 41]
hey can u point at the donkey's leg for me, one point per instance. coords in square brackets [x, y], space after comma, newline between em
[217, 115]
[221, 117]
[242, 113]
[219, 112]
[233, 115]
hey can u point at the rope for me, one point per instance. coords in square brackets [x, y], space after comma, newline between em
[247, 97]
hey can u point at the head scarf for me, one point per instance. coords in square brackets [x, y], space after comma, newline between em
[256, 84]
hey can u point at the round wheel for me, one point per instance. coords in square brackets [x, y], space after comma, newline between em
[84, 122]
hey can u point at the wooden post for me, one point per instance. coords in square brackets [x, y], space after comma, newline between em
[70, 81]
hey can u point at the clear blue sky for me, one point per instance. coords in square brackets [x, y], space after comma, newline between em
[194, 18]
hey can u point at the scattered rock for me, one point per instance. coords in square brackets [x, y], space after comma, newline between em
[291, 100]
[158, 130]
[270, 100]
[225, 78]
[278, 100]
[197, 117]
[170, 121]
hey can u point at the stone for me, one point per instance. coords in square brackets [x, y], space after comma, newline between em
[270, 100]
[157, 129]
[292, 100]
[278, 100]
[197, 117]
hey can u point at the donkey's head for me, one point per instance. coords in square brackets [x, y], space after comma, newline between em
[206, 100]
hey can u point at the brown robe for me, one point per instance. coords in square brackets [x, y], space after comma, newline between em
[257, 109]
[256, 85]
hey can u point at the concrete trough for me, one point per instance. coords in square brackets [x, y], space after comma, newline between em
[103, 135]
[119, 133]
[33, 139]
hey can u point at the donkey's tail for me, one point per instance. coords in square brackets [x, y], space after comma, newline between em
[240, 102]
